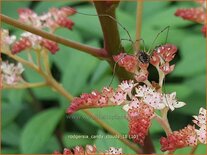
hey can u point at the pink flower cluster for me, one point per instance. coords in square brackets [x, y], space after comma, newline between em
[29, 40]
[160, 59]
[194, 14]
[162, 56]
[189, 136]
[51, 20]
[89, 150]
[139, 103]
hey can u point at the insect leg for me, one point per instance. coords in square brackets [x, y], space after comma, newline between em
[166, 28]
[112, 18]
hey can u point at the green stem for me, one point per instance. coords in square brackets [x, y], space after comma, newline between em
[164, 124]
[99, 53]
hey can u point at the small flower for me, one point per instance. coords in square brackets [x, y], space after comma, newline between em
[127, 86]
[113, 150]
[150, 97]
[58, 18]
[6, 40]
[20, 45]
[11, 73]
[119, 97]
[171, 102]
[29, 17]
[50, 45]
[162, 56]
[129, 62]
[200, 121]
[141, 75]
[78, 150]
[166, 68]
[90, 149]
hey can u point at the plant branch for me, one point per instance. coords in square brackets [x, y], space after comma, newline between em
[100, 53]
[58, 87]
[164, 124]
[25, 85]
[138, 23]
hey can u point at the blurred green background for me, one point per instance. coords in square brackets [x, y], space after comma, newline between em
[30, 117]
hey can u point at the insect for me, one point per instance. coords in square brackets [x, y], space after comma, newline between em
[142, 56]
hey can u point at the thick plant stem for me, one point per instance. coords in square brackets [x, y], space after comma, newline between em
[99, 53]
[112, 45]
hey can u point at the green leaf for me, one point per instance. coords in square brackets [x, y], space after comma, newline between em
[201, 149]
[88, 24]
[81, 121]
[193, 57]
[115, 117]
[51, 145]
[10, 8]
[8, 150]
[13, 96]
[77, 72]
[39, 129]
[73, 139]
[182, 90]
[11, 135]
[9, 113]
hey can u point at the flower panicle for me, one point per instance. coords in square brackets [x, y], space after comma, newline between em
[197, 14]
[53, 19]
[189, 136]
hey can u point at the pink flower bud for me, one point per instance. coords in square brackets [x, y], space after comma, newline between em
[50, 45]
[129, 62]
[166, 68]
[21, 45]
